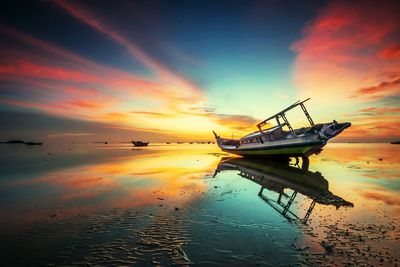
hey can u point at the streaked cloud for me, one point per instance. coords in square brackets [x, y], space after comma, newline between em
[380, 110]
[347, 60]
[181, 85]
[348, 50]
[391, 87]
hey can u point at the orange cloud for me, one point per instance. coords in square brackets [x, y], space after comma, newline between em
[382, 88]
[150, 113]
[372, 130]
[236, 122]
[115, 116]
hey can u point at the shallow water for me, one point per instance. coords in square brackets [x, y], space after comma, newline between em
[188, 204]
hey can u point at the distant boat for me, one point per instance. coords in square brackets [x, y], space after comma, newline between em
[13, 142]
[395, 142]
[282, 139]
[33, 144]
[22, 142]
[140, 143]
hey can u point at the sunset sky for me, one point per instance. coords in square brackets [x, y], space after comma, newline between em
[175, 70]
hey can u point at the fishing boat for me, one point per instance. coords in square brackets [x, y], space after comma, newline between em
[140, 143]
[281, 139]
[286, 180]
[33, 143]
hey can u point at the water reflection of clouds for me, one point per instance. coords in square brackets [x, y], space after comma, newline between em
[122, 181]
[367, 174]
[389, 198]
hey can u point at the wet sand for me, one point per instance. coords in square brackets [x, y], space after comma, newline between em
[112, 205]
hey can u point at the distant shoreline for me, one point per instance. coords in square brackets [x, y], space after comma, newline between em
[29, 143]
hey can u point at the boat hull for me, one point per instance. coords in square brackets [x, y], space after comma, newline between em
[288, 151]
[277, 150]
[277, 143]
[139, 143]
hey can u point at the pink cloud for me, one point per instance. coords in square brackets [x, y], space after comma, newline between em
[180, 85]
[390, 52]
[86, 104]
[49, 59]
[27, 68]
[379, 128]
[392, 86]
[69, 85]
[346, 61]
[345, 49]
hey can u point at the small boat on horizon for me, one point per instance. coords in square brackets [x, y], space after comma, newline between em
[140, 143]
[282, 140]
[22, 142]
[33, 143]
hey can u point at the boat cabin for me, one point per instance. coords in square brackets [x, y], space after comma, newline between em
[272, 134]
[277, 132]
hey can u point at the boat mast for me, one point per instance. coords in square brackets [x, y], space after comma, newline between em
[306, 112]
[281, 115]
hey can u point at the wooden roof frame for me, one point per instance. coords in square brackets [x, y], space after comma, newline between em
[281, 115]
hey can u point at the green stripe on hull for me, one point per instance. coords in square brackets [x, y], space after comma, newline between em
[278, 151]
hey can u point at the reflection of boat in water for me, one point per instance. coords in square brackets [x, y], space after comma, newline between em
[282, 139]
[140, 143]
[278, 176]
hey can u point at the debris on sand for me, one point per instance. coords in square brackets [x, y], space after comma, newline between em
[354, 241]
